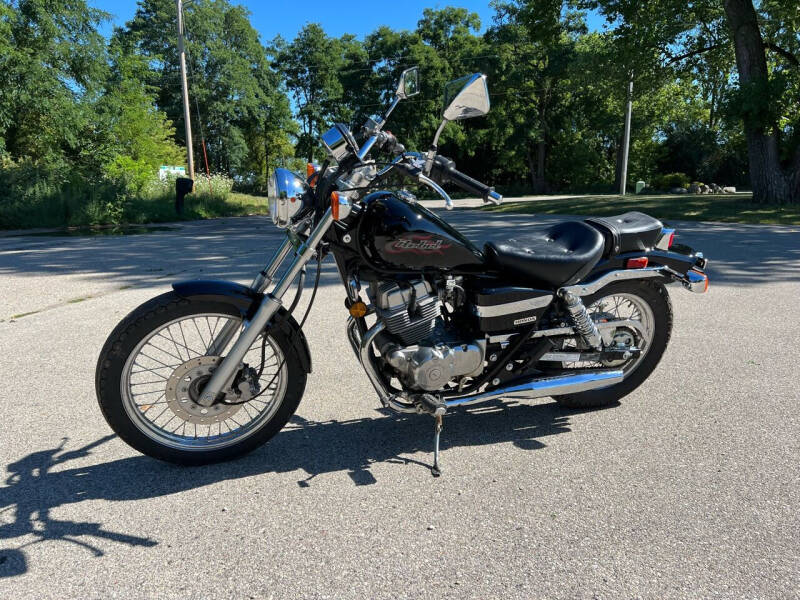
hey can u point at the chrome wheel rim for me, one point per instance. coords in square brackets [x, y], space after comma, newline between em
[620, 307]
[179, 349]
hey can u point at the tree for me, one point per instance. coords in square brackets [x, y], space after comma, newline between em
[767, 98]
[51, 64]
[773, 179]
[135, 137]
[316, 68]
[232, 87]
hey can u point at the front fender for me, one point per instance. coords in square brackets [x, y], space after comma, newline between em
[247, 302]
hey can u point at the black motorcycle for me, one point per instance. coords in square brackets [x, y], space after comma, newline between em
[577, 311]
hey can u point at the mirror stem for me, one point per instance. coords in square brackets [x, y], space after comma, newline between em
[388, 112]
[434, 148]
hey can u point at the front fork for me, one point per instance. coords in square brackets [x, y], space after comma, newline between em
[258, 285]
[226, 371]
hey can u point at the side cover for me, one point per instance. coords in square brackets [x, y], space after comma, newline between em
[506, 308]
[247, 302]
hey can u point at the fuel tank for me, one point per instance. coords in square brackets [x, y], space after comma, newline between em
[398, 235]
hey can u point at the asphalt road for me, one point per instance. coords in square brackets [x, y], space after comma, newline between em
[688, 489]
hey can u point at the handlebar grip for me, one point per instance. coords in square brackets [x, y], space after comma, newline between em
[446, 169]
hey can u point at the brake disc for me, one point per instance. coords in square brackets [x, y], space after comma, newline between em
[184, 387]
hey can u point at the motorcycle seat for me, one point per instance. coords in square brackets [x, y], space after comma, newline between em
[629, 232]
[558, 255]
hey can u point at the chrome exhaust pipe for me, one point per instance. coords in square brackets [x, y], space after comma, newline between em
[535, 388]
[549, 386]
[363, 349]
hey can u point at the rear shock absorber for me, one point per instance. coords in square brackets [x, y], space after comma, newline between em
[580, 317]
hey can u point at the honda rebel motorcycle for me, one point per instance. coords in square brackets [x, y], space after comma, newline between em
[577, 311]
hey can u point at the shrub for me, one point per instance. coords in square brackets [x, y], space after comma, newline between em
[35, 194]
[671, 180]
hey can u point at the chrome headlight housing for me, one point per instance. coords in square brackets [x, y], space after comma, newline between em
[285, 191]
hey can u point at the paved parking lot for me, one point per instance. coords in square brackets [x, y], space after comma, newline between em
[688, 489]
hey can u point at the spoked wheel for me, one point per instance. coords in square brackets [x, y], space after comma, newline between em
[156, 363]
[641, 315]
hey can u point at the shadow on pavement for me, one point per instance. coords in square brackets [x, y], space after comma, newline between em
[739, 254]
[34, 487]
[237, 249]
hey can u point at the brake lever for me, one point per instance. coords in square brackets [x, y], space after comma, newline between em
[448, 202]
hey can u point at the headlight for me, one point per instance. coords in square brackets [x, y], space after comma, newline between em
[285, 191]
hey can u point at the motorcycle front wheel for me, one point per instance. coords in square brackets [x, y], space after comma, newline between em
[155, 363]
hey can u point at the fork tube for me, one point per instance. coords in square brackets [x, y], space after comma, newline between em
[264, 278]
[259, 284]
[227, 369]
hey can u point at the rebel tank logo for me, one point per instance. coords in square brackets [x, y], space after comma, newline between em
[418, 244]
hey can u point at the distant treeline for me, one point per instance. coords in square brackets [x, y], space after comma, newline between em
[716, 95]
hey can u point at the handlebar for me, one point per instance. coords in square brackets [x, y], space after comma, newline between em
[445, 170]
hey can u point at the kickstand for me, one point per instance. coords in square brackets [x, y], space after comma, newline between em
[436, 471]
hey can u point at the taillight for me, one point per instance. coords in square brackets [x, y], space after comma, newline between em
[636, 263]
[671, 239]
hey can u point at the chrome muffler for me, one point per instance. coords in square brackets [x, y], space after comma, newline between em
[548, 386]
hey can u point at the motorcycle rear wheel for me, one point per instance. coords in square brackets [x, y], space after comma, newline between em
[152, 369]
[655, 299]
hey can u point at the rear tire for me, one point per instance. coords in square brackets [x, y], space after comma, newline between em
[657, 298]
[114, 368]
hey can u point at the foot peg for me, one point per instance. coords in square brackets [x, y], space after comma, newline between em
[431, 405]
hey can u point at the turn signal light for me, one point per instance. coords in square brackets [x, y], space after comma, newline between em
[636, 263]
[335, 205]
[358, 309]
[311, 174]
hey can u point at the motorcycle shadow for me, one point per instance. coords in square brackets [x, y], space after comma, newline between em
[43, 480]
[353, 446]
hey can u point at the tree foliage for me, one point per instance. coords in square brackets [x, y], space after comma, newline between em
[716, 93]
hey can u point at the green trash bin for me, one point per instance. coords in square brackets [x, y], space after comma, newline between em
[640, 185]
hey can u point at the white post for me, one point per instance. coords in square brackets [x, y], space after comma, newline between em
[185, 90]
[626, 139]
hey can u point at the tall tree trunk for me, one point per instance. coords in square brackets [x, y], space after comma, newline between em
[618, 164]
[532, 168]
[770, 183]
[541, 153]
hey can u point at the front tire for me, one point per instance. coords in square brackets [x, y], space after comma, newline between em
[162, 344]
[656, 299]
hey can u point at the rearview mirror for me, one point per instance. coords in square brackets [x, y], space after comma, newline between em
[409, 83]
[466, 97]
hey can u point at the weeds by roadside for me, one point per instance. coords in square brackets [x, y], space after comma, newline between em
[33, 196]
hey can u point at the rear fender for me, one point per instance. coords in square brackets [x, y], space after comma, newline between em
[247, 302]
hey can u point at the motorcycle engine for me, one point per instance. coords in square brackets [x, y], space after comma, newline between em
[424, 353]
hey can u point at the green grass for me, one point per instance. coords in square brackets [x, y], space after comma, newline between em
[689, 207]
[135, 211]
[162, 210]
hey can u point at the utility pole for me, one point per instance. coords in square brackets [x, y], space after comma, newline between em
[185, 90]
[626, 138]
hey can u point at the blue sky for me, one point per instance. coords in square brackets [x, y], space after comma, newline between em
[287, 17]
